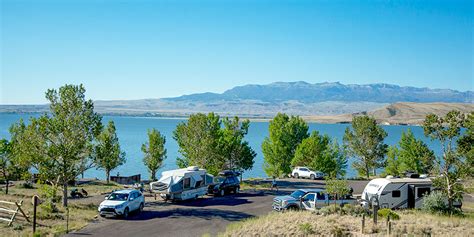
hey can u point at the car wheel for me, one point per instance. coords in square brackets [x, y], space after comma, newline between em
[196, 197]
[125, 213]
[297, 176]
[222, 193]
[103, 216]
[237, 190]
[312, 177]
[140, 209]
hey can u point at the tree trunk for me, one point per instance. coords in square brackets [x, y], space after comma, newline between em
[6, 187]
[367, 170]
[153, 175]
[65, 194]
[107, 174]
[375, 171]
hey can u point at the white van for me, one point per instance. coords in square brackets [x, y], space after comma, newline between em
[182, 184]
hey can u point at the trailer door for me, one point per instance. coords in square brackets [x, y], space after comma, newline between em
[411, 196]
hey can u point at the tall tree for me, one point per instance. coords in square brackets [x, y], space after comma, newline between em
[320, 153]
[57, 143]
[392, 166]
[466, 143]
[414, 154]
[237, 153]
[366, 142]
[198, 139]
[154, 152]
[107, 154]
[451, 165]
[286, 133]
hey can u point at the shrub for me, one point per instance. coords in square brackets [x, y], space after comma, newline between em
[306, 228]
[353, 210]
[387, 212]
[328, 210]
[27, 185]
[435, 203]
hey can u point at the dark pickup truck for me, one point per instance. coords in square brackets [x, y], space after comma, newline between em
[307, 199]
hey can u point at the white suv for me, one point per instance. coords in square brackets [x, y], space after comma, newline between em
[121, 203]
[303, 172]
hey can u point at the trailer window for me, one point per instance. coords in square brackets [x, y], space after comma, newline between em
[396, 193]
[187, 183]
[423, 191]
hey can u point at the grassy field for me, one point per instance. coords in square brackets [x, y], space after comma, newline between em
[81, 211]
[305, 223]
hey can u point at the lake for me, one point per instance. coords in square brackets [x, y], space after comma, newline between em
[132, 133]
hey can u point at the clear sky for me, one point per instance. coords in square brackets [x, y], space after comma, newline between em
[153, 49]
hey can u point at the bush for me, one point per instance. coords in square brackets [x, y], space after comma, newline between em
[353, 210]
[328, 210]
[386, 213]
[27, 185]
[435, 203]
[306, 228]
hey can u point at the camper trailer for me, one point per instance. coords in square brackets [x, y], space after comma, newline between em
[396, 193]
[182, 184]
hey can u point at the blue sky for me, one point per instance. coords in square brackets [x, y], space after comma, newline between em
[153, 49]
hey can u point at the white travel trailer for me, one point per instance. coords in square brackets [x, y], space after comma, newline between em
[182, 184]
[396, 193]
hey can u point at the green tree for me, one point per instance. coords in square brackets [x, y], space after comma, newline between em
[452, 166]
[337, 188]
[107, 154]
[366, 142]
[393, 164]
[286, 133]
[154, 151]
[10, 169]
[466, 143]
[237, 153]
[320, 153]
[338, 156]
[198, 139]
[414, 154]
[56, 144]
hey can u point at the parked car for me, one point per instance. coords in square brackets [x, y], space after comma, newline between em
[304, 172]
[121, 203]
[307, 199]
[226, 182]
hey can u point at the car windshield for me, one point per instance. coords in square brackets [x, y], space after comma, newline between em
[297, 194]
[118, 197]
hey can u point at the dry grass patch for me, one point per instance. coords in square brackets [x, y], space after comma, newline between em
[411, 223]
[81, 211]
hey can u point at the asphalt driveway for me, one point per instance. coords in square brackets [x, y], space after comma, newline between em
[208, 215]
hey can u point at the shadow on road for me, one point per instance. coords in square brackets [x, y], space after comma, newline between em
[206, 214]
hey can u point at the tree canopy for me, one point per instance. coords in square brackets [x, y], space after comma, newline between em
[365, 141]
[451, 166]
[285, 134]
[154, 152]
[205, 143]
[320, 153]
[58, 143]
[107, 154]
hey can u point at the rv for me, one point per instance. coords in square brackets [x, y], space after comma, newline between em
[396, 193]
[182, 184]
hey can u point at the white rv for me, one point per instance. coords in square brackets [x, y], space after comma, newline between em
[396, 193]
[182, 184]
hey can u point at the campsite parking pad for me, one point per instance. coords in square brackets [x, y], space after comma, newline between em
[207, 215]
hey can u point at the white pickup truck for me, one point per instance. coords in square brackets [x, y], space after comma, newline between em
[307, 199]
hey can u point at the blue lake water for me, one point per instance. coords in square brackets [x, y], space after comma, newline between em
[132, 133]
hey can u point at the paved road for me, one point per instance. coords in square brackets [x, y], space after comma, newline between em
[209, 215]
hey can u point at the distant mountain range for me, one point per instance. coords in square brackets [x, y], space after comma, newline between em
[296, 98]
[320, 92]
